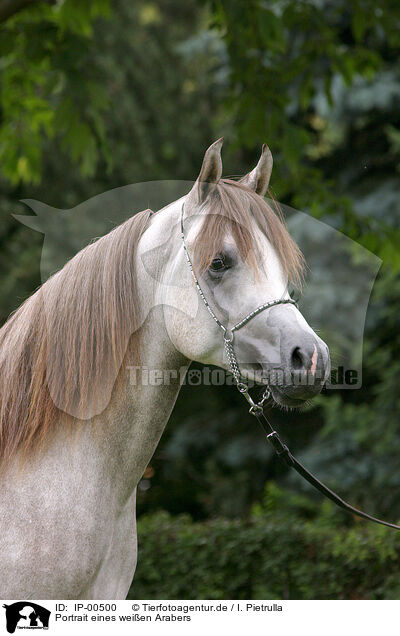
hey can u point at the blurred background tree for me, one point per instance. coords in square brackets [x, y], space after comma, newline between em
[96, 95]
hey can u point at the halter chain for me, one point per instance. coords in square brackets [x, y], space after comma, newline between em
[255, 408]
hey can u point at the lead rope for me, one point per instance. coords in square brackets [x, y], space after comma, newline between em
[257, 408]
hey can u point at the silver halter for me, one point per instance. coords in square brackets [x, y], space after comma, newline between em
[228, 334]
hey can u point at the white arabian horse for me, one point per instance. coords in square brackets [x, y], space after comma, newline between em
[76, 436]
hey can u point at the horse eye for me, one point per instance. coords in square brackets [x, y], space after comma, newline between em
[218, 264]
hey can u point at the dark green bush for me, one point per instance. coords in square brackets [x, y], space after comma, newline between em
[272, 556]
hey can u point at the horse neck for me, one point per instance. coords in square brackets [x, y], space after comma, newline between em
[147, 391]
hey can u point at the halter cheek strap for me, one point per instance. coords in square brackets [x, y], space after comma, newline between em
[256, 409]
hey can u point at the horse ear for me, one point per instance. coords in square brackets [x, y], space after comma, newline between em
[258, 179]
[211, 169]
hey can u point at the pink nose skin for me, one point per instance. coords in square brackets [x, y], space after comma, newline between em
[314, 361]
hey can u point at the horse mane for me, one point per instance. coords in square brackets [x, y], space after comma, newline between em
[61, 351]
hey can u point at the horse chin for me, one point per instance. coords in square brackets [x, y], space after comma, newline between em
[284, 400]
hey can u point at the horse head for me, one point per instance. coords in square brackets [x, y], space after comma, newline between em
[244, 262]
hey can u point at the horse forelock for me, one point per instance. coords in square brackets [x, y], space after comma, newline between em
[233, 207]
[61, 351]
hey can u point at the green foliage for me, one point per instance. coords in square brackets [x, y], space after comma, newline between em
[108, 73]
[275, 554]
[50, 88]
[285, 59]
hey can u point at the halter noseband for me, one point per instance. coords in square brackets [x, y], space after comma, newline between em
[228, 334]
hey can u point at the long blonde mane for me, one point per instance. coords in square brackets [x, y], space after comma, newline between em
[60, 347]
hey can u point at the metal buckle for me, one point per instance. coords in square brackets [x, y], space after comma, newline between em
[256, 409]
[276, 442]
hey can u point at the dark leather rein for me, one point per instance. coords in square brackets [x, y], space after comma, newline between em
[286, 456]
[256, 408]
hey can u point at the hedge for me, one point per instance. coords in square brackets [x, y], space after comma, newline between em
[268, 556]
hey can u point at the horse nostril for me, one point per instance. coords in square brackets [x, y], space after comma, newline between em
[297, 359]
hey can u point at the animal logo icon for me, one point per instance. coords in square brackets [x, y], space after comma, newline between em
[194, 377]
[26, 615]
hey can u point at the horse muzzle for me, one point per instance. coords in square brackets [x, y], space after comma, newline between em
[306, 367]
